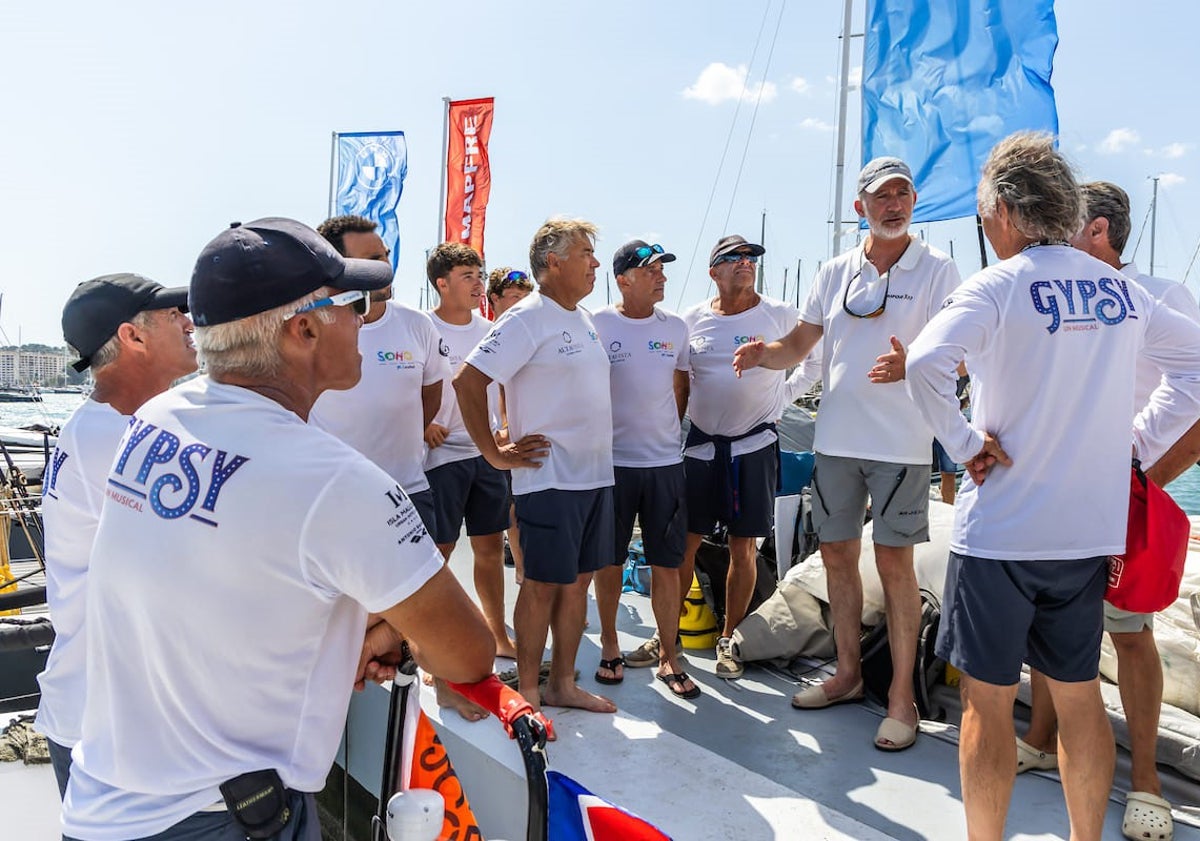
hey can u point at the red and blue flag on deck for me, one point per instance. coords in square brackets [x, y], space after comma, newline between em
[578, 815]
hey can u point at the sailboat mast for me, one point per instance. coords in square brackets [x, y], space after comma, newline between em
[843, 91]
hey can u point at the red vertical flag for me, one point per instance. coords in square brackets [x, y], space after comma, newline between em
[468, 171]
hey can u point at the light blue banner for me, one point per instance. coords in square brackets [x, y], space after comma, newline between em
[944, 80]
[370, 178]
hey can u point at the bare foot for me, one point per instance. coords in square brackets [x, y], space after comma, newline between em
[447, 698]
[572, 695]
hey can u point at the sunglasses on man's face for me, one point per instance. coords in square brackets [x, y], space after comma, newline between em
[735, 258]
[359, 301]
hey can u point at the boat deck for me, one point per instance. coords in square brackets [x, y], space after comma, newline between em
[738, 762]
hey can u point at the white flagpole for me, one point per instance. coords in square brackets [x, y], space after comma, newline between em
[440, 235]
[332, 173]
[843, 90]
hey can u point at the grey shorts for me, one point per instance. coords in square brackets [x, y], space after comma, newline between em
[1117, 621]
[469, 490]
[655, 496]
[999, 614]
[899, 500]
[565, 533]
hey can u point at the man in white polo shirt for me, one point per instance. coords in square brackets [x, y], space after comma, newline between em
[546, 354]
[238, 554]
[730, 458]
[465, 487]
[871, 442]
[404, 371]
[135, 338]
[648, 357]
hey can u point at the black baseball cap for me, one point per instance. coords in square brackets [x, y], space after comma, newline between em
[628, 256]
[730, 244]
[266, 263]
[99, 306]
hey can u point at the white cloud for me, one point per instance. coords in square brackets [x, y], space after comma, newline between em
[1171, 179]
[1118, 140]
[855, 77]
[815, 124]
[800, 85]
[1176, 150]
[719, 83]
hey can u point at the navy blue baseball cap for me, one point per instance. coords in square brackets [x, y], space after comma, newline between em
[638, 254]
[98, 307]
[264, 264]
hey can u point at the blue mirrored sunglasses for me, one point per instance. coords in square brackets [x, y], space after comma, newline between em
[645, 251]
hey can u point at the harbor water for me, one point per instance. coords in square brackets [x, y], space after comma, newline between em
[56, 408]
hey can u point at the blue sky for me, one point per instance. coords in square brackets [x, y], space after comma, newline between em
[135, 131]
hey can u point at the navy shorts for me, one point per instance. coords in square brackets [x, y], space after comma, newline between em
[998, 614]
[655, 496]
[565, 533]
[757, 476]
[423, 502]
[942, 460]
[469, 490]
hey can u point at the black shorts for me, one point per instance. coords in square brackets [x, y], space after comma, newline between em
[469, 490]
[655, 496]
[565, 533]
[998, 614]
[756, 477]
[423, 502]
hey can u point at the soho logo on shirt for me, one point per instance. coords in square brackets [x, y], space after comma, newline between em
[1088, 303]
[400, 359]
[183, 477]
[738, 341]
[660, 347]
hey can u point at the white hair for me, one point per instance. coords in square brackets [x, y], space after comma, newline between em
[249, 346]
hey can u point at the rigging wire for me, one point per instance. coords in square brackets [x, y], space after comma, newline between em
[754, 115]
[720, 166]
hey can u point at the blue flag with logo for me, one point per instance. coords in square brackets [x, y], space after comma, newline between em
[371, 167]
[944, 80]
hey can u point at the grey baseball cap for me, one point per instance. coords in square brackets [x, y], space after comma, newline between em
[881, 170]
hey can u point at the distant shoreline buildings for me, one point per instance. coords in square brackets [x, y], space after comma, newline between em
[37, 365]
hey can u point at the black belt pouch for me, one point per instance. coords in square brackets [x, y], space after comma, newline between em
[258, 802]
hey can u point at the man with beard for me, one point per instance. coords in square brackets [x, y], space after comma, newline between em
[871, 442]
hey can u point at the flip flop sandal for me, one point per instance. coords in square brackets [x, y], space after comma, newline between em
[1147, 816]
[612, 665]
[675, 683]
[1030, 758]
